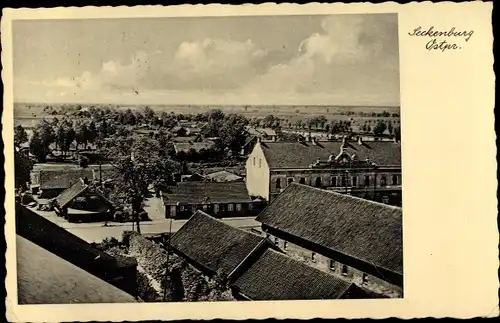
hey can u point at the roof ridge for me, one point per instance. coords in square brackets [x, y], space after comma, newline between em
[225, 224]
[347, 196]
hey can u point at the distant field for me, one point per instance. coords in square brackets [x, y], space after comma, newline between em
[29, 115]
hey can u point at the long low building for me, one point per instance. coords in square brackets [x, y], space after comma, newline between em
[354, 238]
[224, 199]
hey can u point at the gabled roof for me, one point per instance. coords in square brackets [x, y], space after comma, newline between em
[206, 192]
[69, 194]
[62, 179]
[223, 176]
[74, 191]
[214, 245]
[362, 229]
[44, 278]
[275, 276]
[282, 154]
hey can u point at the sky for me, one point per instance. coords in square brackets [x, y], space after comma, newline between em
[331, 60]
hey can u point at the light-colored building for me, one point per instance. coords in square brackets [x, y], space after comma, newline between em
[370, 170]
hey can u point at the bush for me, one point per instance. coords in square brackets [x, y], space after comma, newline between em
[144, 289]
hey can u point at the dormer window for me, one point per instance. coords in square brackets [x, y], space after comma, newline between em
[334, 181]
[383, 181]
[394, 179]
[278, 183]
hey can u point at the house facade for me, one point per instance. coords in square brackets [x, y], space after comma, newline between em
[370, 170]
[219, 199]
[350, 237]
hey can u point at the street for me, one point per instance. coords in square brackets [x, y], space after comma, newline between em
[96, 232]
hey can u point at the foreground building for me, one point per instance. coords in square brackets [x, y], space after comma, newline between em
[253, 267]
[350, 237]
[66, 258]
[225, 199]
[370, 170]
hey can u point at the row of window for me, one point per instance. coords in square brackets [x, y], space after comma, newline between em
[332, 265]
[343, 181]
[230, 207]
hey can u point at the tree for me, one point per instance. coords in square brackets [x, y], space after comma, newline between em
[20, 136]
[269, 120]
[149, 115]
[138, 163]
[232, 132]
[379, 128]
[43, 136]
[22, 169]
[397, 133]
[92, 132]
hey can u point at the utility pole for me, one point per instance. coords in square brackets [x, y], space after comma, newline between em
[165, 284]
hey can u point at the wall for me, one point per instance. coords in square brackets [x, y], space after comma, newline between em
[309, 175]
[322, 262]
[218, 210]
[257, 179]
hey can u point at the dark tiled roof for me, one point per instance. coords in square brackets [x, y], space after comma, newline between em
[275, 276]
[297, 154]
[366, 230]
[44, 278]
[213, 244]
[206, 192]
[69, 194]
[62, 179]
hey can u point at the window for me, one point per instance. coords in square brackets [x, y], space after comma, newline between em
[290, 181]
[365, 278]
[334, 181]
[238, 207]
[181, 208]
[332, 264]
[205, 207]
[250, 207]
[278, 183]
[318, 182]
[230, 207]
[367, 180]
[344, 181]
[383, 181]
[302, 180]
[260, 163]
[216, 208]
[276, 241]
[285, 245]
[344, 270]
[313, 257]
[394, 179]
[254, 161]
[355, 181]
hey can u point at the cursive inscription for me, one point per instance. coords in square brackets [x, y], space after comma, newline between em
[443, 40]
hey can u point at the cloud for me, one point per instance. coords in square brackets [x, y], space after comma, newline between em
[353, 55]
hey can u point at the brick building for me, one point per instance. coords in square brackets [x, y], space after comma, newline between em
[370, 170]
[354, 238]
[224, 199]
